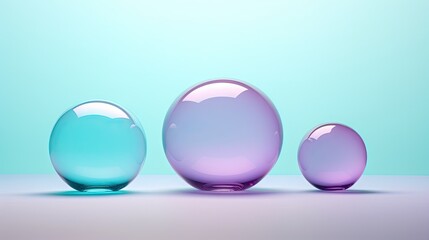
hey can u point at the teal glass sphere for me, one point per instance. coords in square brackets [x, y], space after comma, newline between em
[97, 146]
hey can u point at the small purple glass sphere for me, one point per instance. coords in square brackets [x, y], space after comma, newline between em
[332, 157]
[222, 135]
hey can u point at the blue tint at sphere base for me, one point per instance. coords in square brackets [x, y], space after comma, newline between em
[97, 146]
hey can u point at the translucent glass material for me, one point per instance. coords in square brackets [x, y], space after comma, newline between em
[97, 146]
[222, 135]
[332, 157]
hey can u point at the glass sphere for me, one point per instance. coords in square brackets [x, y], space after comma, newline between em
[97, 146]
[222, 135]
[332, 157]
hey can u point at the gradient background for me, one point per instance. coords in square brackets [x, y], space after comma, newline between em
[361, 63]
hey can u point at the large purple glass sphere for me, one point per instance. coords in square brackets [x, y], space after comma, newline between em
[222, 135]
[332, 157]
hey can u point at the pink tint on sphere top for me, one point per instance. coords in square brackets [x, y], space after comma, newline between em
[222, 135]
[332, 157]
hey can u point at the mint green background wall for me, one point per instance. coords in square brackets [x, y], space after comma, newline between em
[362, 63]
